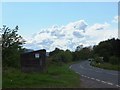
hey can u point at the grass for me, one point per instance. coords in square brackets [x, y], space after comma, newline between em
[0, 77]
[107, 66]
[57, 76]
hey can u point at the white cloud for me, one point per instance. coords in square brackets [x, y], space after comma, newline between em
[98, 26]
[79, 25]
[116, 19]
[70, 36]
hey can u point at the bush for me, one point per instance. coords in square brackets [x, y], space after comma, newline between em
[11, 47]
[62, 56]
[98, 59]
[82, 54]
[114, 60]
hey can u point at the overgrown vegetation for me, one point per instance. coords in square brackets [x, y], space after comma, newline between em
[11, 46]
[61, 56]
[82, 53]
[56, 76]
[109, 50]
[106, 66]
[106, 54]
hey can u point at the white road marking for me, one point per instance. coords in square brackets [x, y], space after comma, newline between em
[110, 83]
[118, 85]
[97, 70]
[84, 76]
[103, 82]
[97, 80]
[88, 77]
[93, 78]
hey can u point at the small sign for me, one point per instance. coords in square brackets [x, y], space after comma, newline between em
[37, 55]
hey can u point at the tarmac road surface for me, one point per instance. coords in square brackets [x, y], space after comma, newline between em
[93, 77]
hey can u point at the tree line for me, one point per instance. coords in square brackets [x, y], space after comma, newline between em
[106, 51]
[12, 47]
[109, 50]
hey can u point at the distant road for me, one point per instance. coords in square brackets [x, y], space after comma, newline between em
[94, 77]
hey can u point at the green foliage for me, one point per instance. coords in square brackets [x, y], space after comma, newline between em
[83, 54]
[11, 46]
[98, 59]
[107, 49]
[57, 50]
[106, 54]
[106, 66]
[61, 56]
[114, 60]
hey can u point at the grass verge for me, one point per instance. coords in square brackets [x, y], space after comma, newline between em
[56, 76]
[106, 66]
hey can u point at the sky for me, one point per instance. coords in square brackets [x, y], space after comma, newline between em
[60, 0]
[47, 25]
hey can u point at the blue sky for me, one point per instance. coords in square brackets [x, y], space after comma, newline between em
[32, 17]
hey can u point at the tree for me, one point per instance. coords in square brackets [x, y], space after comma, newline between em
[78, 48]
[114, 60]
[11, 46]
[108, 48]
[82, 54]
[57, 50]
[61, 56]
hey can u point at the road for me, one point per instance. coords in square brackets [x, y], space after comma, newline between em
[93, 77]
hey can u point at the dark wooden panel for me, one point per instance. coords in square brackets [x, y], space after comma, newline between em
[29, 62]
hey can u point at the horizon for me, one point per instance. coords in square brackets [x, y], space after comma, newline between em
[63, 25]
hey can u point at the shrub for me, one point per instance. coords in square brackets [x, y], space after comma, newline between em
[62, 56]
[98, 59]
[114, 60]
